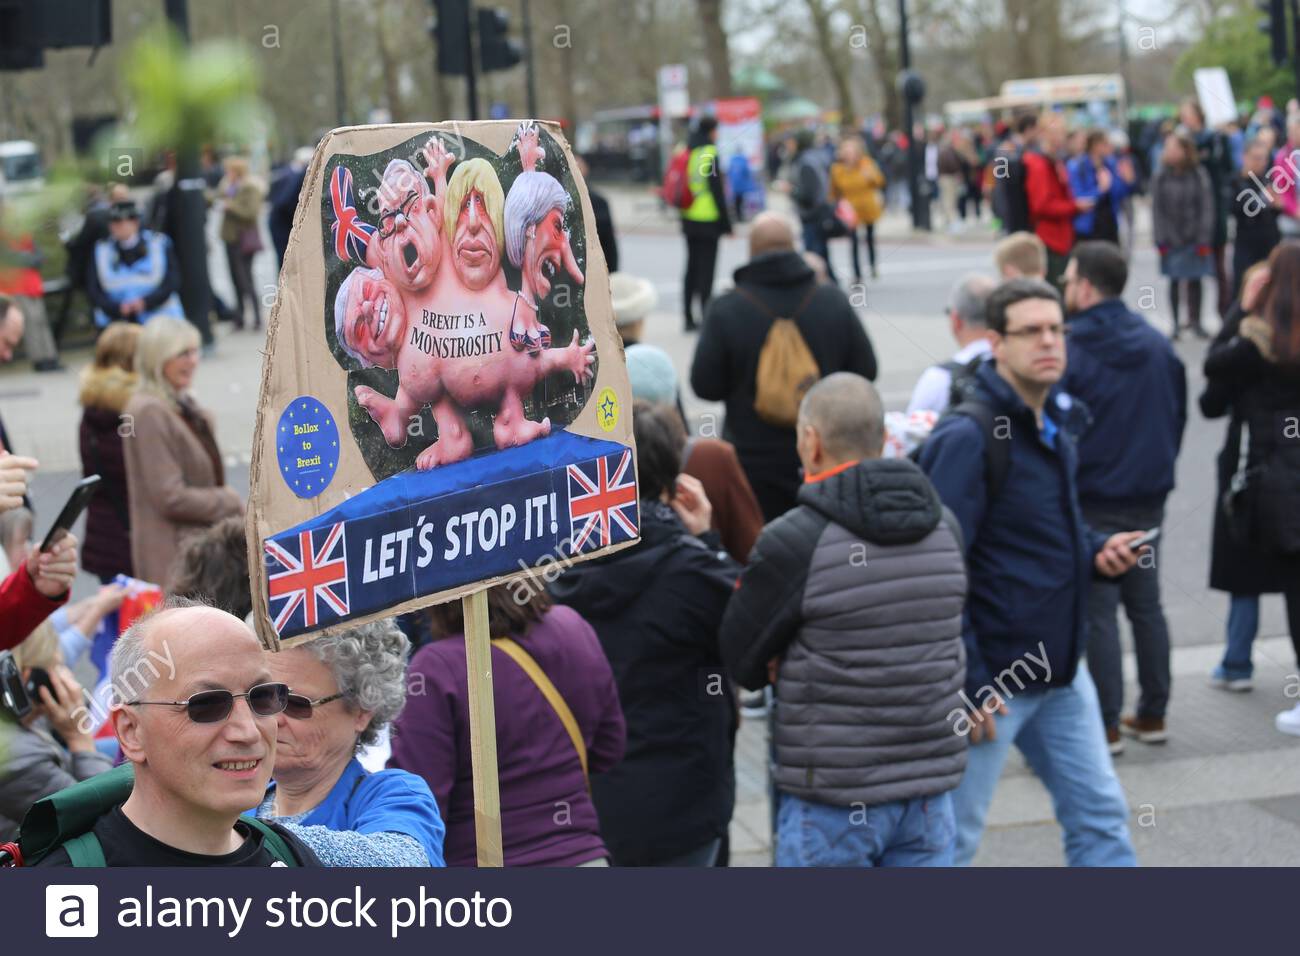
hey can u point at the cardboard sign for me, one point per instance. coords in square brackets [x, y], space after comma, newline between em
[444, 400]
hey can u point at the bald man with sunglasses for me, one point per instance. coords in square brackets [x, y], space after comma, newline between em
[195, 710]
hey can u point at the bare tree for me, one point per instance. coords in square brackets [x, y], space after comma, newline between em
[715, 46]
[835, 54]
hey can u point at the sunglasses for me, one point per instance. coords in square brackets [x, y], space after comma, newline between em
[300, 707]
[211, 706]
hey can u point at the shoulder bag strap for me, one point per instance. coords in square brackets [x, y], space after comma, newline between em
[552, 695]
[275, 844]
[85, 850]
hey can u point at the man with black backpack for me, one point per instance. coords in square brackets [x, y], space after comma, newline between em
[1030, 558]
[763, 345]
[195, 711]
[944, 385]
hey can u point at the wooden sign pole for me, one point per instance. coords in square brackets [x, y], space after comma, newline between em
[482, 729]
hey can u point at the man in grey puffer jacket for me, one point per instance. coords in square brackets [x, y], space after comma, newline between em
[853, 601]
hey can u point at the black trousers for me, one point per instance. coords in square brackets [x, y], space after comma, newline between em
[701, 265]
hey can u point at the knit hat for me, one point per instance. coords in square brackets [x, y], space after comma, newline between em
[633, 297]
[651, 374]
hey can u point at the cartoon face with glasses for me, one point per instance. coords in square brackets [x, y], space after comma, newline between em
[407, 245]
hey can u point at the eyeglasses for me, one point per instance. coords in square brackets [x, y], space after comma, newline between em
[300, 707]
[388, 221]
[211, 706]
[1055, 329]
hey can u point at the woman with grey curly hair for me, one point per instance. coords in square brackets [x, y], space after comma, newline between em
[343, 690]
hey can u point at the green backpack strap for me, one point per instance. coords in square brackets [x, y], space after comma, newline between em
[85, 850]
[275, 844]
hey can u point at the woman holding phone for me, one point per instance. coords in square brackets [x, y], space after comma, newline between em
[175, 479]
[36, 763]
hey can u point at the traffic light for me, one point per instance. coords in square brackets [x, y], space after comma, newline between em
[1275, 27]
[30, 27]
[496, 50]
[21, 35]
[451, 30]
[70, 23]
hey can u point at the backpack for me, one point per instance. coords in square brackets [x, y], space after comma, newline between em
[67, 818]
[962, 386]
[786, 366]
[676, 189]
[997, 451]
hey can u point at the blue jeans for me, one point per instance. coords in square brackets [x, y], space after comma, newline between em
[1139, 592]
[1060, 733]
[814, 240]
[1243, 625]
[918, 832]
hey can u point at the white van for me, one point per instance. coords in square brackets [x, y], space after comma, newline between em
[20, 168]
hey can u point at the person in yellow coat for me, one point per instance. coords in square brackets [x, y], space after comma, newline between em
[857, 179]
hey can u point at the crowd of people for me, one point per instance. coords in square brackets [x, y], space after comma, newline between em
[904, 595]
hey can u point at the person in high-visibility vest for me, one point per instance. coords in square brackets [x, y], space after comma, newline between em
[705, 221]
[133, 274]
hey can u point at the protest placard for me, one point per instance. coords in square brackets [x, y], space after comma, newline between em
[444, 401]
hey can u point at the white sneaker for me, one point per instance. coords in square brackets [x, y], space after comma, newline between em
[1288, 722]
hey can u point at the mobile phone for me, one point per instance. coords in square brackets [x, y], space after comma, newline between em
[13, 695]
[37, 678]
[1147, 538]
[77, 502]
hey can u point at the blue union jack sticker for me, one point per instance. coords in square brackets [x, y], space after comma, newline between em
[307, 578]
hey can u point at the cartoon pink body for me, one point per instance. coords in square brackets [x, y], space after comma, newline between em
[456, 351]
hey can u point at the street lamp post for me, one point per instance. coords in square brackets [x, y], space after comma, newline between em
[531, 79]
[192, 211]
[913, 90]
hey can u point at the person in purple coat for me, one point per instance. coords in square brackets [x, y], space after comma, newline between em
[547, 817]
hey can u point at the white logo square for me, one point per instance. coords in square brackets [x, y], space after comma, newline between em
[71, 910]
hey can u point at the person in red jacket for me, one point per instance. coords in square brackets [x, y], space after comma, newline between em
[1052, 207]
[33, 592]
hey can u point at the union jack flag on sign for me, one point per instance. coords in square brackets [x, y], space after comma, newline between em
[602, 502]
[351, 235]
[307, 578]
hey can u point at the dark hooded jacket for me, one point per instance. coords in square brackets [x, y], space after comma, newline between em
[1136, 390]
[859, 591]
[1029, 552]
[725, 367]
[657, 607]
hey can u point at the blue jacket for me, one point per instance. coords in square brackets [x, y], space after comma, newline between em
[1029, 554]
[1136, 389]
[390, 801]
[1083, 184]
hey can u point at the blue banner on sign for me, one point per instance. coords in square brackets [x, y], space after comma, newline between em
[307, 446]
[420, 533]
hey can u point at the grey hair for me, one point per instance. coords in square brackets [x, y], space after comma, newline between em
[341, 312]
[402, 172]
[969, 298]
[846, 411]
[368, 662]
[531, 197]
[131, 672]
